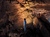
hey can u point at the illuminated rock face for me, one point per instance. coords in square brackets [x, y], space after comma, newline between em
[35, 21]
[20, 1]
[21, 14]
[24, 12]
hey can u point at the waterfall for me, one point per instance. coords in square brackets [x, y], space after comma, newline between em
[24, 25]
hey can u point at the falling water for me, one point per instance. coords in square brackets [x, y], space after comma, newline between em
[24, 25]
